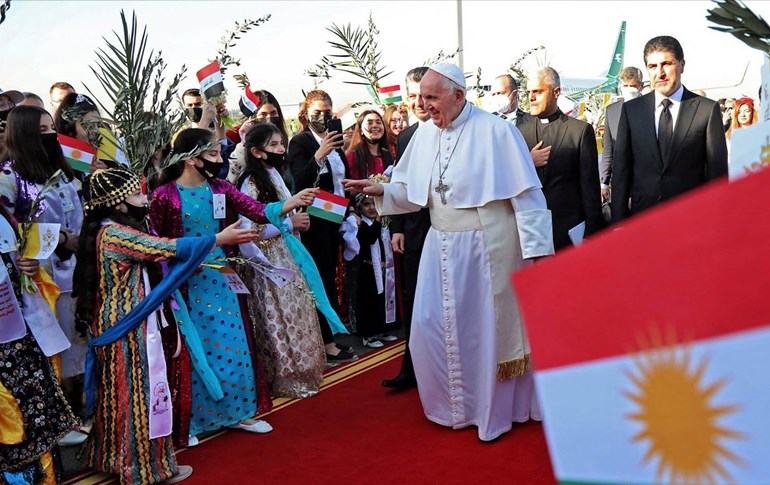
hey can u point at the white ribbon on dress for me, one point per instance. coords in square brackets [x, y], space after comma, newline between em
[159, 407]
[388, 284]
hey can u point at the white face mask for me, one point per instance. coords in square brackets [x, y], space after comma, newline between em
[629, 93]
[499, 103]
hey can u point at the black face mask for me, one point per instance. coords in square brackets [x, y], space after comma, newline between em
[194, 114]
[210, 169]
[276, 120]
[136, 213]
[274, 159]
[4, 115]
[51, 146]
[318, 122]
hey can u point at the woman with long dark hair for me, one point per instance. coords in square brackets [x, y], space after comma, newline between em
[369, 152]
[316, 160]
[284, 319]
[78, 117]
[192, 201]
[35, 156]
[119, 263]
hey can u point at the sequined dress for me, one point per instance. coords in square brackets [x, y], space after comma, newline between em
[285, 322]
[215, 311]
[119, 442]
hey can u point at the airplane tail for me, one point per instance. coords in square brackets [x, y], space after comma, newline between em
[616, 65]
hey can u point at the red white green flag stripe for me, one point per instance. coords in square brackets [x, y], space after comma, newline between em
[249, 100]
[651, 360]
[210, 78]
[329, 206]
[390, 94]
[78, 153]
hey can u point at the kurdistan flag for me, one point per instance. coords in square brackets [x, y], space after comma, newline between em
[650, 345]
[78, 154]
[390, 94]
[328, 206]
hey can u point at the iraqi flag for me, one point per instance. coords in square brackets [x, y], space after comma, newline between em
[78, 154]
[390, 94]
[249, 102]
[329, 206]
[650, 344]
[210, 78]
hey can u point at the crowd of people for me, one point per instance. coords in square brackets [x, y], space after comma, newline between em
[445, 200]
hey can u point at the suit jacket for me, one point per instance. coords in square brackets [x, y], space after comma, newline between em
[571, 177]
[611, 120]
[698, 153]
[414, 226]
[301, 159]
[521, 116]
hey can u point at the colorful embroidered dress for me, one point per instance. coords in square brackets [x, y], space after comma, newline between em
[285, 322]
[215, 312]
[119, 442]
[33, 412]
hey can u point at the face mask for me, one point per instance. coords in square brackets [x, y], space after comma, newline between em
[499, 103]
[272, 119]
[210, 169]
[4, 115]
[274, 159]
[629, 93]
[51, 145]
[318, 122]
[194, 114]
[136, 213]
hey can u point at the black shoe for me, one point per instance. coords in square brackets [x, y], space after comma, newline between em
[343, 356]
[400, 382]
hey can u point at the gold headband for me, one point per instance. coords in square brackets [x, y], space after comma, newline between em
[108, 188]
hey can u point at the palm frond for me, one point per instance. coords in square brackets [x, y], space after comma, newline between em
[229, 40]
[735, 18]
[359, 56]
[139, 103]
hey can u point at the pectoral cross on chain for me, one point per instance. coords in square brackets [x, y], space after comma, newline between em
[441, 188]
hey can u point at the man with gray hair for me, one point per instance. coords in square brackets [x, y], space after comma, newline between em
[630, 87]
[570, 177]
[488, 218]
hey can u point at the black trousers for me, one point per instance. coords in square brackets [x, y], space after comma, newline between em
[322, 242]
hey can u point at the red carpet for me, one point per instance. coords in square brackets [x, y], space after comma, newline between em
[356, 431]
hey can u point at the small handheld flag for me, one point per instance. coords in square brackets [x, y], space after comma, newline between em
[210, 78]
[249, 102]
[78, 154]
[390, 94]
[329, 206]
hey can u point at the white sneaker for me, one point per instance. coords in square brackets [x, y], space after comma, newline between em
[255, 427]
[73, 438]
[375, 344]
[386, 337]
[192, 441]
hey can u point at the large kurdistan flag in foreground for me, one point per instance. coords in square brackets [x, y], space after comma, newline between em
[651, 344]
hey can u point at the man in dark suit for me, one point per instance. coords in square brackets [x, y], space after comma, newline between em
[570, 175]
[630, 88]
[505, 97]
[409, 231]
[669, 141]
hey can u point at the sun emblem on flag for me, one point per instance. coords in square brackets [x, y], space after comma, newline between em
[76, 153]
[328, 206]
[679, 418]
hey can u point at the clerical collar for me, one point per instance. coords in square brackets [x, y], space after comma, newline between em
[552, 118]
[464, 115]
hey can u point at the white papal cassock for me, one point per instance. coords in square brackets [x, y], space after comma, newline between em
[466, 327]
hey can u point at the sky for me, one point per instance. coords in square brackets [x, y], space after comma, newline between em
[46, 41]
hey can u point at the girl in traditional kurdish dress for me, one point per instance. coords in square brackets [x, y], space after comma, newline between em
[119, 261]
[33, 412]
[191, 201]
[284, 318]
